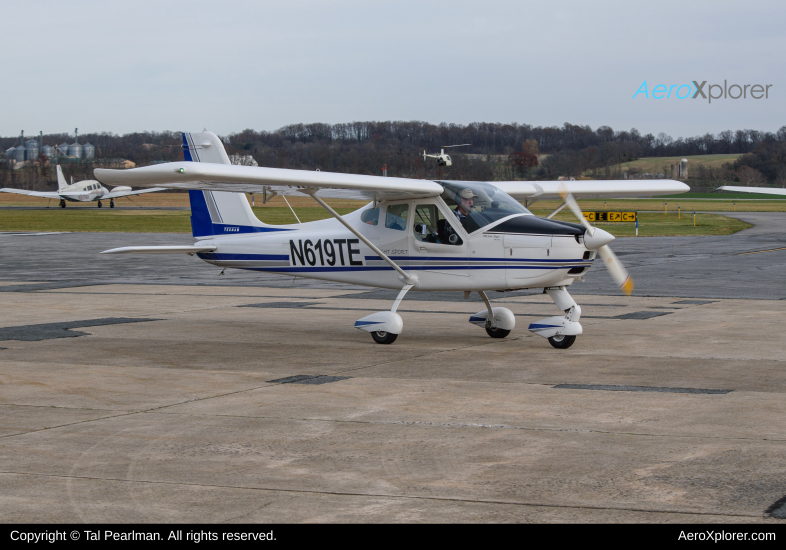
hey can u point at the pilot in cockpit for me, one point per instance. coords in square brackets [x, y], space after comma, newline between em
[465, 200]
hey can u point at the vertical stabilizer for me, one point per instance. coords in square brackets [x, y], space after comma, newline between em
[204, 147]
[217, 212]
[61, 181]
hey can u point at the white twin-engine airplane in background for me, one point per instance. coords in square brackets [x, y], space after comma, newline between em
[414, 234]
[81, 191]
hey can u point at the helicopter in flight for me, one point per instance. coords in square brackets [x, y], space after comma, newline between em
[442, 158]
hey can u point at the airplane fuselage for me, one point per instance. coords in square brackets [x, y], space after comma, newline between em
[519, 251]
[83, 191]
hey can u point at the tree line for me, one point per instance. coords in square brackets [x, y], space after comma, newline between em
[497, 151]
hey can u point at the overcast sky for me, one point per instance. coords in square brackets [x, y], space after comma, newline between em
[231, 65]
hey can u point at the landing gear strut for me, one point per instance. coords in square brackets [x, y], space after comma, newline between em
[561, 331]
[385, 326]
[497, 321]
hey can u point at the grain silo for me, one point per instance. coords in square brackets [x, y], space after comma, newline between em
[63, 148]
[88, 151]
[48, 150]
[19, 154]
[684, 169]
[75, 150]
[32, 149]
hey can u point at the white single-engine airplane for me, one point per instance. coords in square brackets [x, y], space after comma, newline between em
[415, 234]
[81, 191]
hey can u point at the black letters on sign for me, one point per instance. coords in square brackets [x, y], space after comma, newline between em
[304, 253]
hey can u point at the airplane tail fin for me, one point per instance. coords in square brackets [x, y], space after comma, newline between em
[61, 181]
[216, 213]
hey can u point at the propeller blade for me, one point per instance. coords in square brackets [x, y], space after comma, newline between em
[617, 271]
[571, 203]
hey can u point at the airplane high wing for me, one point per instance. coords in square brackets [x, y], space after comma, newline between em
[253, 179]
[762, 190]
[587, 189]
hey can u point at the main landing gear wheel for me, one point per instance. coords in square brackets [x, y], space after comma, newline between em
[562, 342]
[62, 203]
[111, 203]
[382, 337]
[497, 332]
[99, 204]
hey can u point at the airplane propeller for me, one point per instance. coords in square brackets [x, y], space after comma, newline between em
[598, 240]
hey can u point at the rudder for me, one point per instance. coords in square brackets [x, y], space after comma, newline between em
[61, 181]
[217, 212]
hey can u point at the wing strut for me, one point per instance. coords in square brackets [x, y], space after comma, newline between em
[560, 207]
[406, 277]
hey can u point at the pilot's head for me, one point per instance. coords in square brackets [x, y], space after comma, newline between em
[466, 200]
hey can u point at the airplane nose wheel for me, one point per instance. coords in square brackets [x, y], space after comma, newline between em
[382, 337]
[497, 332]
[562, 342]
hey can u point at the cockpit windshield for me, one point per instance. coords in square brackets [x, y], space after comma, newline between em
[478, 204]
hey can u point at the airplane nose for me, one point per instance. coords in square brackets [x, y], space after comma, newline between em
[597, 240]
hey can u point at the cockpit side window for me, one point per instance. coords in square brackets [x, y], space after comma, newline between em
[432, 227]
[396, 216]
[370, 216]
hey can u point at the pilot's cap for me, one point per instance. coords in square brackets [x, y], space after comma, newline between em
[467, 193]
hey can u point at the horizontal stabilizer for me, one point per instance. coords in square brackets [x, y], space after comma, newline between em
[192, 249]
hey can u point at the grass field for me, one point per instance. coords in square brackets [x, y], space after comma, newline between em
[142, 221]
[79, 217]
[654, 165]
[652, 224]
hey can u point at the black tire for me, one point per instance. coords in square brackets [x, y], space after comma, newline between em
[562, 342]
[62, 204]
[381, 337]
[497, 332]
[111, 204]
[99, 204]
